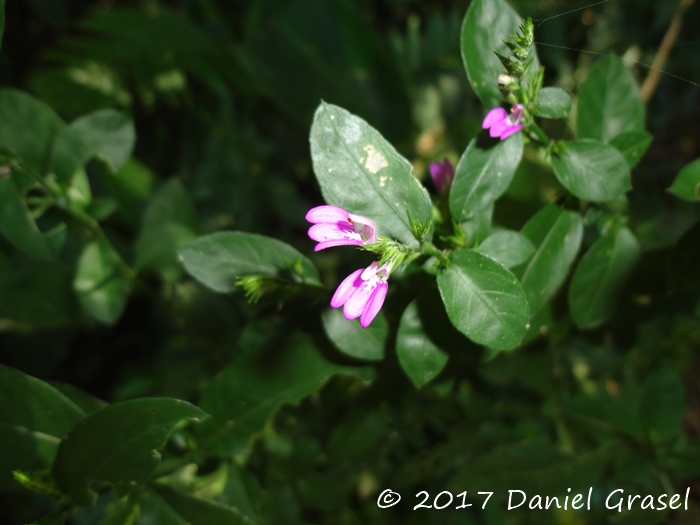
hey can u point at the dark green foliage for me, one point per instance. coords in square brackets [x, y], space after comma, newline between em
[168, 353]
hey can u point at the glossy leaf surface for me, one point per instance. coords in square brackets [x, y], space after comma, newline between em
[556, 234]
[484, 300]
[609, 101]
[217, 260]
[419, 357]
[359, 171]
[483, 174]
[599, 277]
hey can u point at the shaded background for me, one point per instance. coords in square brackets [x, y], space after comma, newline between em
[222, 94]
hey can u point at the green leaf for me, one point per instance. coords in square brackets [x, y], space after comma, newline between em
[592, 170]
[362, 173]
[600, 276]
[482, 175]
[105, 133]
[553, 102]
[632, 145]
[419, 357]
[609, 102]
[507, 247]
[244, 396]
[101, 283]
[682, 264]
[28, 128]
[200, 511]
[478, 227]
[686, 185]
[122, 513]
[556, 235]
[353, 340]
[17, 224]
[132, 186]
[38, 293]
[217, 260]
[118, 445]
[662, 403]
[484, 300]
[486, 24]
[168, 224]
[34, 417]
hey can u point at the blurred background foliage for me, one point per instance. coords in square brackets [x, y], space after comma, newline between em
[222, 94]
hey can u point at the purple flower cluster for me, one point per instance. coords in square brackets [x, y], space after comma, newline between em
[362, 292]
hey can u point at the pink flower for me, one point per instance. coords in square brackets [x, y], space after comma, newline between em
[442, 173]
[333, 226]
[362, 293]
[501, 123]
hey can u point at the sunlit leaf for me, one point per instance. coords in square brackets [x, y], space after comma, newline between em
[484, 300]
[361, 172]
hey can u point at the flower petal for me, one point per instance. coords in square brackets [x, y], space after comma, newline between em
[357, 302]
[340, 242]
[370, 271]
[334, 231]
[510, 130]
[326, 214]
[493, 116]
[374, 304]
[498, 128]
[346, 289]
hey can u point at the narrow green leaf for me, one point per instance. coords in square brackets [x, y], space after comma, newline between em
[592, 170]
[486, 24]
[217, 260]
[507, 247]
[34, 417]
[682, 264]
[118, 445]
[599, 278]
[419, 357]
[483, 175]
[101, 283]
[200, 511]
[686, 185]
[244, 396]
[28, 128]
[17, 224]
[105, 133]
[553, 102]
[352, 339]
[632, 145]
[484, 300]
[609, 102]
[361, 172]
[168, 224]
[556, 235]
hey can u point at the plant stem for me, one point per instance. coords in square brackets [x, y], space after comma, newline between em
[667, 43]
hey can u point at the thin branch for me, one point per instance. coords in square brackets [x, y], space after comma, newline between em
[667, 43]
